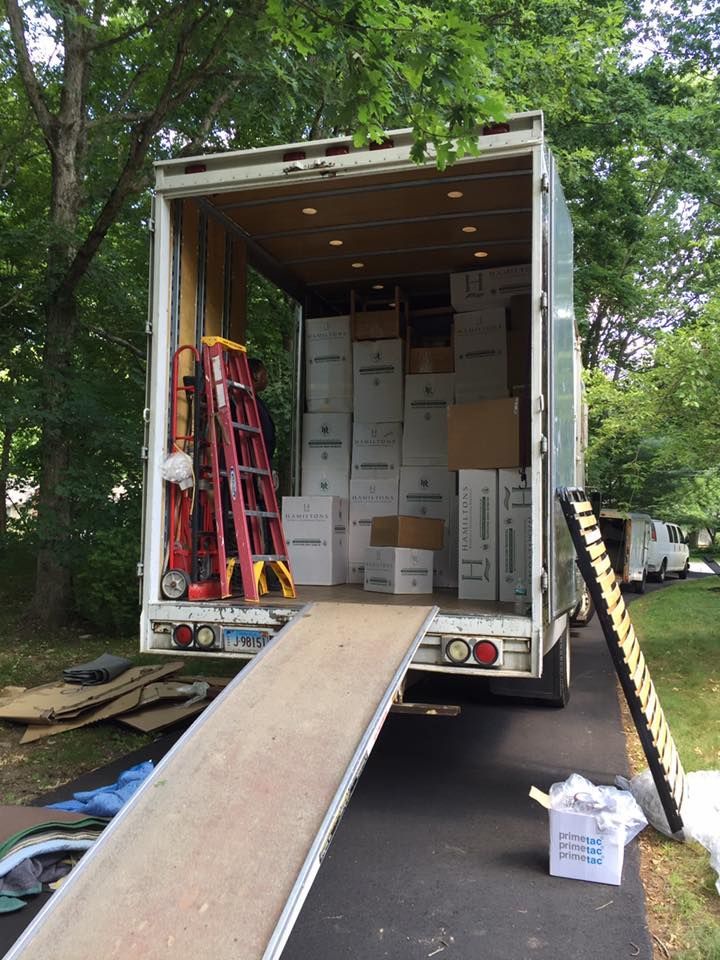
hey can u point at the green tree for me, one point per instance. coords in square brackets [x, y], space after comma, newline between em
[125, 84]
[655, 434]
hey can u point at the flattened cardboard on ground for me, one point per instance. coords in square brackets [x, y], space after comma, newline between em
[133, 700]
[58, 700]
[160, 717]
[419, 533]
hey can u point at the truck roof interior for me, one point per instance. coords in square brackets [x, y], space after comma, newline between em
[319, 239]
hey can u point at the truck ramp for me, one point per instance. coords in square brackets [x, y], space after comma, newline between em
[215, 854]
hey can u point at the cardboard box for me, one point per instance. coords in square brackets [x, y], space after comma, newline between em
[477, 288]
[317, 538]
[376, 325]
[446, 560]
[378, 381]
[418, 533]
[326, 454]
[398, 570]
[328, 365]
[515, 533]
[481, 355]
[478, 535]
[426, 492]
[368, 499]
[489, 434]
[427, 397]
[580, 851]
[376, 450]
[431, 359]
[519, 343]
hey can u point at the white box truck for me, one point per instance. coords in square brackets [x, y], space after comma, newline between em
[321, 218]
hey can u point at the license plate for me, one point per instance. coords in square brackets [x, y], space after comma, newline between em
[243, 640]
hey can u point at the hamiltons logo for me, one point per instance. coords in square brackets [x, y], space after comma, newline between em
[325, 429]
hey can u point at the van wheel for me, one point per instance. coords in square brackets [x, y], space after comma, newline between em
[683, 575]
[661, 572]
[557, 661]
[639, 585]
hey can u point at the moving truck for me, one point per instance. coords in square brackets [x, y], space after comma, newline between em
[333, 225]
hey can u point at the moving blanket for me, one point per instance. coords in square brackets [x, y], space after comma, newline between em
[107, 801]
[102, 670]
[29, 831]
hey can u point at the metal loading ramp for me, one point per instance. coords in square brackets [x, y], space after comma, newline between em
[215, 855]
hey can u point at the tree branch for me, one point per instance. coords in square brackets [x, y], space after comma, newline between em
[168, 98]
[27, 74]
[120, 341]
[210, 115]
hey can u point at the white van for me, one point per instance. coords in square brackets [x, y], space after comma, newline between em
[669, 552]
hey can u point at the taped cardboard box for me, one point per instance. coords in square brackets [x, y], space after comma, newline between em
[376, 450]
[431, 360]
[419, 533]
[368, 499]
[489, 434]
[398, 570]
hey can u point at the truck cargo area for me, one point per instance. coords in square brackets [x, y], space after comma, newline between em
[337, 228]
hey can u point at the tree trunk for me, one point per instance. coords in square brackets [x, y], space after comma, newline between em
[52, 602]
[4, 474]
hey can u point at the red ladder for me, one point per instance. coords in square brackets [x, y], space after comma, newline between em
[241, 475]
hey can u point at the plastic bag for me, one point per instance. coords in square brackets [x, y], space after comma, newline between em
[178, 468]
[612, 809]
[700, 811]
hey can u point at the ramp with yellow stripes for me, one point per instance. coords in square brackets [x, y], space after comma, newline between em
[647, 713]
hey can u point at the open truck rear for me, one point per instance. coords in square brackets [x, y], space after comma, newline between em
[281, 211]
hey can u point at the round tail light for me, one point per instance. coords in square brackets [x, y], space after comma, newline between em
[458, 650]
[205, 637]
[183, 635]
[485, 652]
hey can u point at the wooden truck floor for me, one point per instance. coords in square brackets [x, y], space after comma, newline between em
[215, 854]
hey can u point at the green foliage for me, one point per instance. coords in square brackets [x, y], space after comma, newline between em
[655, 434]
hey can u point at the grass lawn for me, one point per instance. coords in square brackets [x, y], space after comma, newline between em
[679, 629]
[29, 657]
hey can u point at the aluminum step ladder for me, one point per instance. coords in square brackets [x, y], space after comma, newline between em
[244, 494]
[215, 854]
[652, 727]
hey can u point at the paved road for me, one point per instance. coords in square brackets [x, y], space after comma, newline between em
[441, 852]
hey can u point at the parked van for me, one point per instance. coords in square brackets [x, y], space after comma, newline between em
[627, 537]
[669, 551]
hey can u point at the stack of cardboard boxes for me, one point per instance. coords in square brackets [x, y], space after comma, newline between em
[436, 458]
[489, 431]
[316, 523]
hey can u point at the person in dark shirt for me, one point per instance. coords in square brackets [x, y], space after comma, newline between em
[259, 374]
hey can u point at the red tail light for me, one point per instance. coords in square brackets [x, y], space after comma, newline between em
[485, 652]
[654, 534]
[183, 635]
[293, 155]
[337, 151]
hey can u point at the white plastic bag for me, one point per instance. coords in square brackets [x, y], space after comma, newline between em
[700, 811]
[178, 468]
[612, 809]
